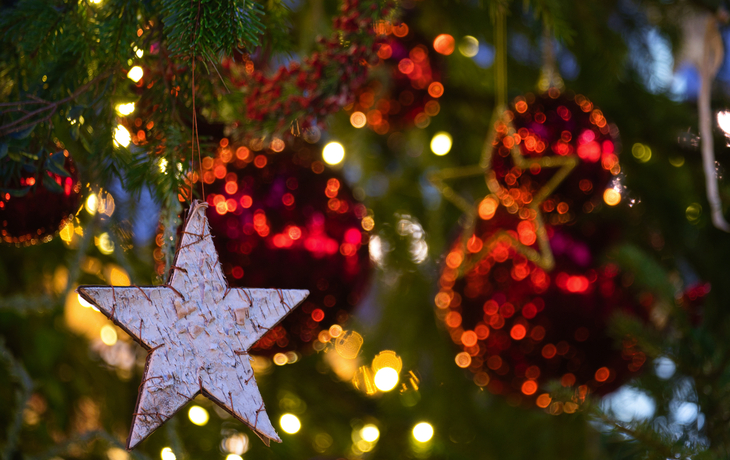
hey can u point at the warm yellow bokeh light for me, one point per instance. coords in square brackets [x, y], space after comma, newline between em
[167, 454]
[92, 203]
[423, 432]
[612, 197]
[163, 165]
[469, 46]
[86, 304]
[333, 153]
[290, 423]
[280, 359]
[233, 457]
[139, 53]
[108, 335]
[641, 152]
[370, 433]
[135, 73]
[723, 119]
[105, 244]
[198, 415]
[358, 119]
[386, 379]
[441, 143]
[125, 109]
[122, 136]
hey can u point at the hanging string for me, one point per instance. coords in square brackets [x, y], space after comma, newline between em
[195, 141]
[500, 56]
[549, 74]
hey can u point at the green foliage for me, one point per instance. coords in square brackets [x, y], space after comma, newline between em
[211, 28]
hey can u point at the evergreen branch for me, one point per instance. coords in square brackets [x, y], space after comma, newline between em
[647, 438]
[48, 110]
[211, 27]
[18, 372]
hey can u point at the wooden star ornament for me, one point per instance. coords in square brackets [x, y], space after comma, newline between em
[198, 332]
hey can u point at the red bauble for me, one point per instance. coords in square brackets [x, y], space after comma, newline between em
[39, 214]
[521, 325]
[285, 220]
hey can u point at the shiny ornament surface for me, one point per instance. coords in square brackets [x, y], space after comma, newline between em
[282, 219]
[527, 290]
[39, 214]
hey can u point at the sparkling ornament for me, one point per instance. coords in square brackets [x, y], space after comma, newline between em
[283, 219]
[198, 332]
[47, 206]
[522, 290]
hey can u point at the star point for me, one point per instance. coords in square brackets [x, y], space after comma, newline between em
[197, 332]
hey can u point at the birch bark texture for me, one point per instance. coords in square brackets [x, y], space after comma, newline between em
[198, 332]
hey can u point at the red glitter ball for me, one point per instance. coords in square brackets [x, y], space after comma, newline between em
[291, 223]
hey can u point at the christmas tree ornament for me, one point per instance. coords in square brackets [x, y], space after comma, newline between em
[198, 332]
[282, 218]
[522, 291]
[42, 204]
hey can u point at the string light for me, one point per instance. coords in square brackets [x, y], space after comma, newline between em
[723, 119]
[612, 197]
[386, 379]
[135, 73]
[441, 143]
[333, 153]
[125, 109]
[198, 415]
[423, 432]
[469, 46]
[92, 203]
[108, 335]
[370, 433]
[290, 423]
[167, 454]
[122, 136]
[233, 457]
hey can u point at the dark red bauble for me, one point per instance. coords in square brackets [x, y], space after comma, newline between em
[526, 313]
[38, 215]
[559, 127]
[520, 326]
[285, 220]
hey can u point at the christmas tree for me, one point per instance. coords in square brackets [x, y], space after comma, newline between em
[509, 216]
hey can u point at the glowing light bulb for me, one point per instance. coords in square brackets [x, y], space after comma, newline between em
[290, 423]
[198, 415]
[423, 432]
[370, 433]
[92, 204]
[86, 304]
[612, 197]
[723, 119]
[167, 454]
[135, 73]
[122, 136]
[108, 335]
[386, 379]
[333, 153]
[163, 165]
[125, 109]
[233, 457]
[139, 53]
[469, 46]
[441, 143]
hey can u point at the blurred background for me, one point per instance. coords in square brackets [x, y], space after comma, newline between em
[546, 280]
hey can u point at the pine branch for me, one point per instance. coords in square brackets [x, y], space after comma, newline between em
[48, 109]
[211, 27]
